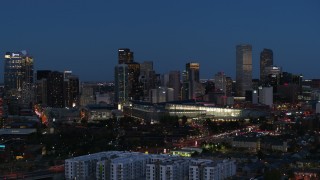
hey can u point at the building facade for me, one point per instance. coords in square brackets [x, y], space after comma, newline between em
[266, 96]
[18, 80]
[121, 83]
[71, 91]
[266, 60]
[220, 82]
[243, 69]
[191, 81]
[125, 56]
[18, 70]
[114, 165]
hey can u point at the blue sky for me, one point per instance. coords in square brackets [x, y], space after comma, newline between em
[83, 36]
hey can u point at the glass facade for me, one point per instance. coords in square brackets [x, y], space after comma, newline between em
[243, 69]
[266, 60]
[18, 70]
[121, 83]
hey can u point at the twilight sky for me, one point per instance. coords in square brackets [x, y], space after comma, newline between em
[84, 35]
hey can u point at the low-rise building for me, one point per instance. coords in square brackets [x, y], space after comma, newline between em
[133, 165]
[250, 143]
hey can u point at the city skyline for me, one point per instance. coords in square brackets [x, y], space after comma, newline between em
[84, 37]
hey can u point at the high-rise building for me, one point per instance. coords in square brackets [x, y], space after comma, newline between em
[220, 82]
[272, 78]
[125, 56]
[243, 69]
[87, 94]
[121, 83]
[71, 90]
[147, 78]
[174, 83]
[42, 86]
[266, 96]
[193, 79]
[145, 67]
[55, 89]
[161, 94]
[185, 86]
[229, 86]
[18, 71]
[134, 85]
[266, 60]
[18, 81]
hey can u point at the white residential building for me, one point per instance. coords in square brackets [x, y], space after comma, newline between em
[84, 167]
[120, 165]
[126, 167]
[204, 169]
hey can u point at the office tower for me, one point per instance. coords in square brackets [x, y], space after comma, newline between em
[266, 96]
[18, 81]
[266, 60]
[121, 83]
[145, 67]
[165, 80]
[174, 83]
[191, 81]
[161, 94]
[42, 86]
[273, 70]
[67, 74]
[147, 78]
[18, 71]
[185, 86]
[193, 71]
[243, 69]
[125, 56]
[272, 78]
[220, 82]
[71, 89]
[229, 84]
[87, 95]
[55, 84]
[134, 85]
[57, 89]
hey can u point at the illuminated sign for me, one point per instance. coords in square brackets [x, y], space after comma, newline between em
[14, 55]
[7, 56]
[2, 146]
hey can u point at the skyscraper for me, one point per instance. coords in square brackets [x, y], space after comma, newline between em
[174, 83]
[220, 82]
[55, 93]
[42, 86]
[134, 85]
[18, 81]
[147, 78]
[191, 80]
[229, 84]
[125, 56]
[71, 90]
[18, 70]
[266, 60]
[243, 68]
[121, 83]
